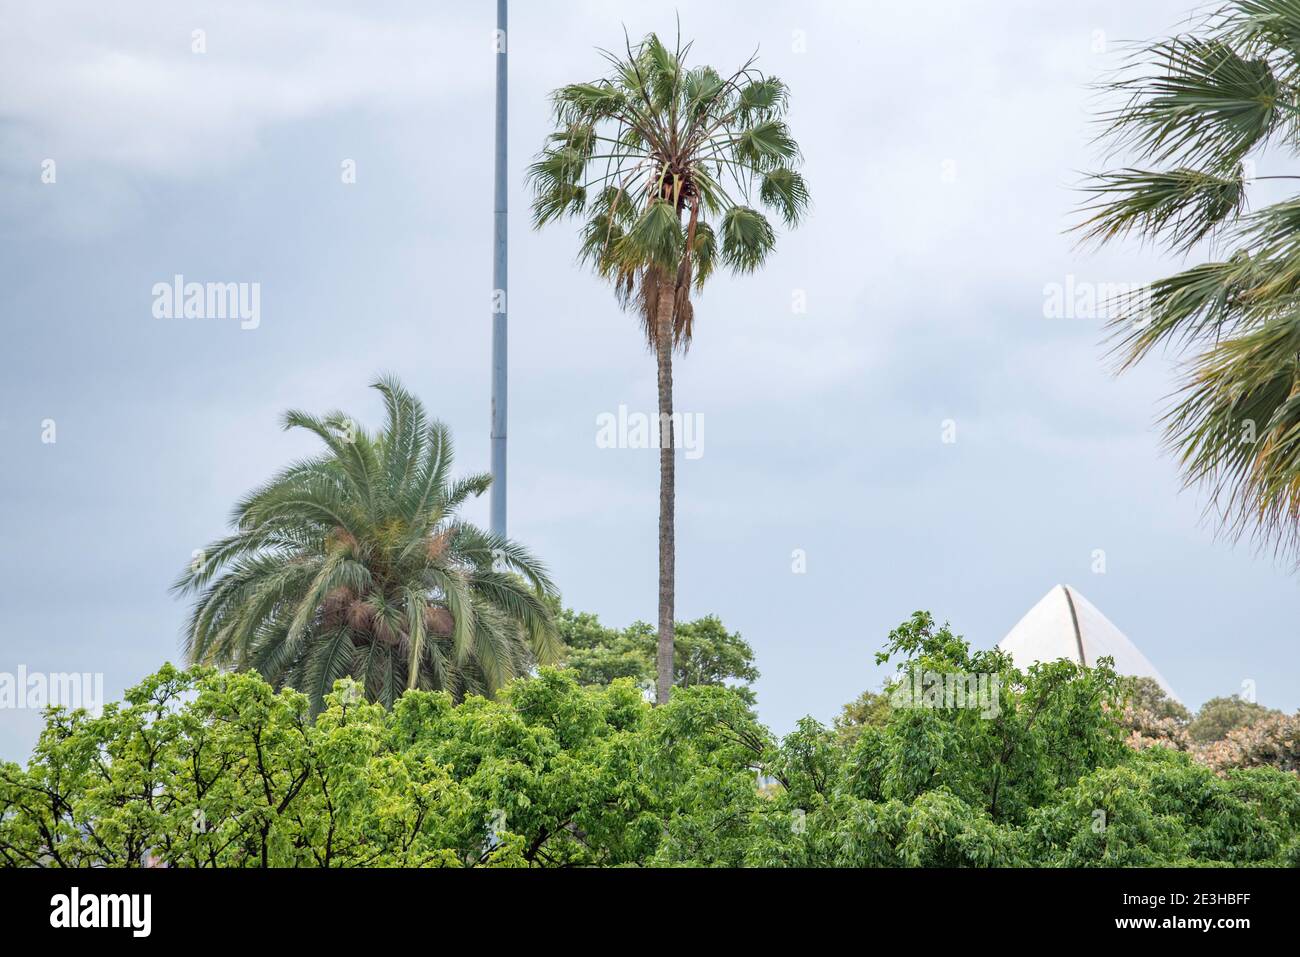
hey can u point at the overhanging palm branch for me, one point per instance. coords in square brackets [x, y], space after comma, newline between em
[354, 563]
[1196, 113]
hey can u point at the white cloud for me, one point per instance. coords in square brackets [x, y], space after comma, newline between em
[121, 84]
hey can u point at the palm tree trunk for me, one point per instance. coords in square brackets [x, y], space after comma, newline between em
[667, 489]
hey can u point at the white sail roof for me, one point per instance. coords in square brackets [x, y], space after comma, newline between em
[1064, 624]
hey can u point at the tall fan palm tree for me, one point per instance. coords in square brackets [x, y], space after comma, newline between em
[663, 165]
[355, 563]
[1197, 110]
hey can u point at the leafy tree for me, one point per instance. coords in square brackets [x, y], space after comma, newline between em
[1161, 808]
[1197, 108]
[1271, 741]
[203, 768]
[212, 769]
[1150, 716]
[354, 563]
[664, 163]
[1218, 716]
[705, 653]
[1036, 730]
[596, 654]
[1045, 782]
[869, 710]
[1145, 694]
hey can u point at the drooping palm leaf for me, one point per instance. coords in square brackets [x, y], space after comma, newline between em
[1201, 107]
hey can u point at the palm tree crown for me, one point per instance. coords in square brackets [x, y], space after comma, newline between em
[1197, 109]
[654, 142]
[354, 563]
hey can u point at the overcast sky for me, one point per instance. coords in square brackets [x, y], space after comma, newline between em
[941, 150]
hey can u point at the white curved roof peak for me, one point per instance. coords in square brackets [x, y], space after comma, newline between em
[1064, 624]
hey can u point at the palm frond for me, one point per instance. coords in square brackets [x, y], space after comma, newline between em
[1181, 206]
[747, 238]
[1204, 104]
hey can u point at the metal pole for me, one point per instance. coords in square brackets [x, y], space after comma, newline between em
[499, 397]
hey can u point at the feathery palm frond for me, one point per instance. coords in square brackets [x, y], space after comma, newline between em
[354, 563]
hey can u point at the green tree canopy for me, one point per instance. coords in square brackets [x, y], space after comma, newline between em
[213, 769]
[203, 768]
[1145, 694]
[705, 653]
[1218, 716]
[871, 709]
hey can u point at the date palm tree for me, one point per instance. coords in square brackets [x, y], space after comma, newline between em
[664, 165]
[354, 563]
[1196, 112]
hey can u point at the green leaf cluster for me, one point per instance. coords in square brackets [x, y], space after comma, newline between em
[704, 652]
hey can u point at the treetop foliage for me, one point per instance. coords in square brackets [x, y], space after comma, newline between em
[704, 652]
[203, 768]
